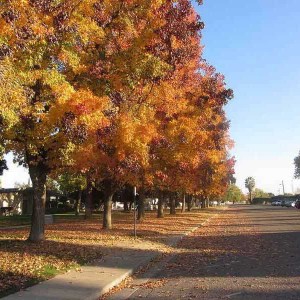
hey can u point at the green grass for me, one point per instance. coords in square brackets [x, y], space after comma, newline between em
[19, 220]
[7, 221]
[48, 272]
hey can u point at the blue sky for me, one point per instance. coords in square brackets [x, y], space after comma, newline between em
[256, 45]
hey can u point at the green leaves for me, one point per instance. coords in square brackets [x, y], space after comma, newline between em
[297, 166]
[250, 183]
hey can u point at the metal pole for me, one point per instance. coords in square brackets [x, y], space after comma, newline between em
[134, 211]
[283, 187]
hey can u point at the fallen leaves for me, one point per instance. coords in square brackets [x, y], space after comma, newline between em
[71, 243]
[154, 284]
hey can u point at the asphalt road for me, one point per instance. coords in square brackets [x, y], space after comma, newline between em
[246, 252]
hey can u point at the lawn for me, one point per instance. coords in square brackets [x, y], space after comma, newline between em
[72, 242]
[17, 220]
[6, 221]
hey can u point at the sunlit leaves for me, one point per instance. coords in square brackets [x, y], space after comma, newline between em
[114, 89]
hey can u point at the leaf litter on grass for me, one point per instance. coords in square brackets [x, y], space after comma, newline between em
[72, 243]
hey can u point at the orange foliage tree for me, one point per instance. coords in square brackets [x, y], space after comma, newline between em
[114, 90]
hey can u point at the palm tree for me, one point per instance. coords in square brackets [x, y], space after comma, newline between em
[250, 184]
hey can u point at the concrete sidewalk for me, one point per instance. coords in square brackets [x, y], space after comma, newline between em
[98, 277]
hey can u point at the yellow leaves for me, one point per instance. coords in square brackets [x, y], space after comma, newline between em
[89, 108]
[126, 137]
[6, 31]
[11, 93]
[39, 30]
[119, 76]
[153, 66]
[56, 80]
[88, 30]
[72, 59]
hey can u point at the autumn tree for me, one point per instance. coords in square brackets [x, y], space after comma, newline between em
[193, 129]
[38, 42]
[116, 91]
[124, 69]
[83, 74]
[192, 156]
[164, 40]
[178, 43]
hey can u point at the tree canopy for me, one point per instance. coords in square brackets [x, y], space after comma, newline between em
[250, 184]
[234, 194]
[115, 92]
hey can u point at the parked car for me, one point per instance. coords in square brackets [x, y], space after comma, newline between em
[288, 203]
[297, 204]
[274, 203]
[6, 211]
[283, 203]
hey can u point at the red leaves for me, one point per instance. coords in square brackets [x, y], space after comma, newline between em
[10, 15]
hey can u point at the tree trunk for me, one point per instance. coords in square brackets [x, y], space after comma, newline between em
[160, 208]
[38, 177]
[189, 203]
[89, 199]
[204, 202]
[126, 207]
[141, 205]
[202, 199]
[130, 206]
[107, 224]
[78, 203]
[183, 203]
[207, 202]
[172, 205]
[109, 191]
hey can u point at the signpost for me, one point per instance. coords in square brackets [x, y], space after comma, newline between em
[134, 211]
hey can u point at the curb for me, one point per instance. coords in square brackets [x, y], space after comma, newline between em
[118, 280]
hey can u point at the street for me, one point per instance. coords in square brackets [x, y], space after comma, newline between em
[245, 252]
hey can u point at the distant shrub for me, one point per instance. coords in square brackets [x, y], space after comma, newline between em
[59, 210]
[261, 201]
